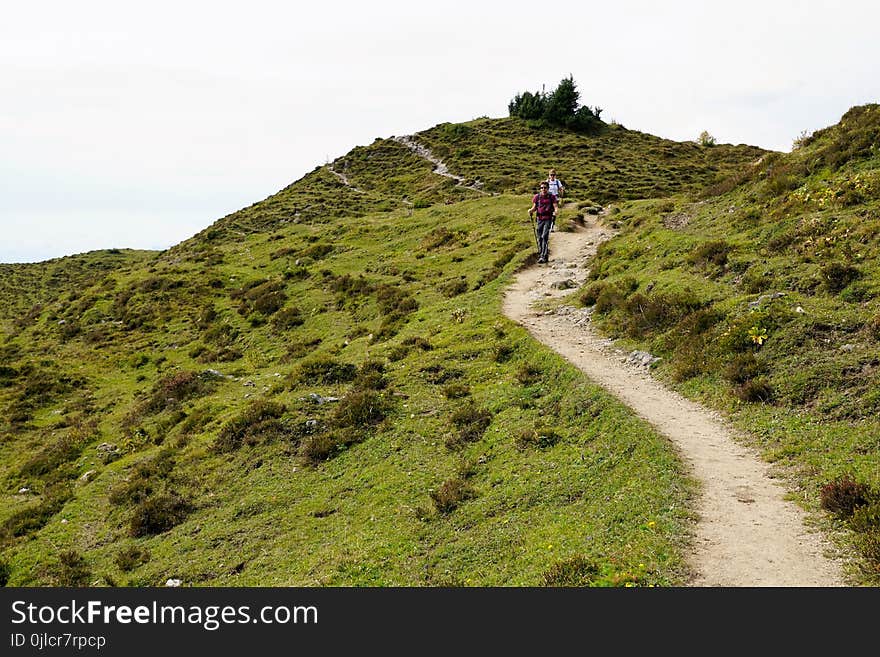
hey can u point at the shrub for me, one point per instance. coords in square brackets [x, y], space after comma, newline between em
[874, 327]
[264, 297]
[658, 311]
[868, 544]
[361, 408]
[145, 479]
[837, 276]
[437, 373]
[471, 423]
[743, 367]
[454, 287]
[590, 296]
[72, 570]
[503, 352]
[5, 572]
[418, 342]
[397, 352]
[288, 318]
[322, 446]
[63, 450]
[866, 517]
[371, 376]
[127, 559]
[843, 495]
[325, 370]
[258, 422]
[529, 374]
[577, 571]
[541, 437]
[32, 519]
[705, 139]
[158, 514]
[451, 494]
[456, 391]
[714, 253]
[755, 390]
[177, 388]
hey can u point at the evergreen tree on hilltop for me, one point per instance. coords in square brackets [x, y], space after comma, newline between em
[558, 108]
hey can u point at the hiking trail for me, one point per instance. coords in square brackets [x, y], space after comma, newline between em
[440, 167]
[746, 533]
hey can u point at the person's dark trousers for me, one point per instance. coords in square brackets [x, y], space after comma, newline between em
[544, 239]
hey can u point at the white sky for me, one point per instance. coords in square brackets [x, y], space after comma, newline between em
[137, 124]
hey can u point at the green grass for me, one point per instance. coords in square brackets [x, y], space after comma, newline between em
[260, 511]
[779, 264]
[162, 409]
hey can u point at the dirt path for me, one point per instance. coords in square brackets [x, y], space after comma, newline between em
[440, 167]
[746, 534]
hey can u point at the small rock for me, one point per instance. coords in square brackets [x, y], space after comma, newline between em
[172, 581]
[22, 491]
[87, 476]
[847, 347]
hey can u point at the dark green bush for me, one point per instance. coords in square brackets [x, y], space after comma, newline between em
[288, 318]
[454, 287]
[324, 445]
[325, 370]
[158, 514]
[371, 376]
[34, 518]
[837, 276]
[177, 388]
[710, 253]
[471, 423]
[755, 390]
[262, 296]
[744, 367]
[72, 570]
[127, 559]
[866, 517]
[361, 408]
[257, 423]
[503, 351]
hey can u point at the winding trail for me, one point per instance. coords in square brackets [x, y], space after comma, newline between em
[747, 534]
[440, 167]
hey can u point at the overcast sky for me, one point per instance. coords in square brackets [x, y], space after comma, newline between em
[137, 124]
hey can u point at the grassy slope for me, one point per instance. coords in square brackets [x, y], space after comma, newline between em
[763, 298]
[606, 504]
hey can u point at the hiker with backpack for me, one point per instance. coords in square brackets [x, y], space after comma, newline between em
[545, 205]
[557, 189]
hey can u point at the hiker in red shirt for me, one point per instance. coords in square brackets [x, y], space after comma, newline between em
[545, 205]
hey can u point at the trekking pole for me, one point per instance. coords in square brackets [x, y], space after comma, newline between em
[535, 231]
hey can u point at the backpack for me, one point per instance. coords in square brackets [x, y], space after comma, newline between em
[558, 184]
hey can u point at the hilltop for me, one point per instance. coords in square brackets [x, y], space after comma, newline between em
[321, 388]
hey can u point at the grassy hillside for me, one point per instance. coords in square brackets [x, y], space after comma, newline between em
[321, 389]
[762, 296]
